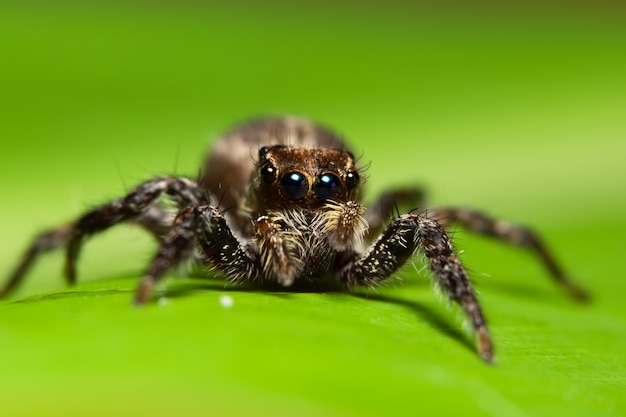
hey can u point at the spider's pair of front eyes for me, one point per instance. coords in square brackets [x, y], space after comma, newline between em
[295, 185]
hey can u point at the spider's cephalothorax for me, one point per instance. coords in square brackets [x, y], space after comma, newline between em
[279, 200]
[306, 202]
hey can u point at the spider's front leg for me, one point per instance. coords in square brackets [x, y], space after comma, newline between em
[205, 227]
[137, 206]
[398, 243]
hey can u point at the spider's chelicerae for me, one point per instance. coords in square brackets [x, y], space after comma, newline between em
[291, 212]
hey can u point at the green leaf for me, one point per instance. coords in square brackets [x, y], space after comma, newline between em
[520, 116]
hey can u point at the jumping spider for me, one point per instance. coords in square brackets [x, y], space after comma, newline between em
[291, 213]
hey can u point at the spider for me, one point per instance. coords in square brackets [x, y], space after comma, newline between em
[292, 213]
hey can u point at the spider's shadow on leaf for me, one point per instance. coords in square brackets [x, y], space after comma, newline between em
[447, 328]
[199, 283]
[435, 319]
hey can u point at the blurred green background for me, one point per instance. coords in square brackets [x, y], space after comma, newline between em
[517, 110]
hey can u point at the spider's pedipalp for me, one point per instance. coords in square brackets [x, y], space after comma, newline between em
[280, 249]
[342, 224]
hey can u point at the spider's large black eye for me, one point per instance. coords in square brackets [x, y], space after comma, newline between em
[352, 179]
[294, 185]
[327, 186]
[268, 173]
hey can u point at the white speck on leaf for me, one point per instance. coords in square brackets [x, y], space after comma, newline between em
[226, 301]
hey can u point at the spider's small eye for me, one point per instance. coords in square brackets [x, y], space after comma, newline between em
[352, 179]
[268, 174]
[327, 186]
[294, 185]
[263, 150]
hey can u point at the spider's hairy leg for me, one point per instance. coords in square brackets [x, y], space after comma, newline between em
[206, 227]
[135, 206]
[44, 242]
[157, 221]
[384, 206]
[483, 224]
[403, 237]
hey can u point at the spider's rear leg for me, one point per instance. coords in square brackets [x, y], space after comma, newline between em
[44, 242]
[205, 227]
[398, 243]
[483, 224]
[157, 221]
[134, 206]
[383, 208]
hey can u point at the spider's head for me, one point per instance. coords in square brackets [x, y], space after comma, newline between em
[288, 177]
